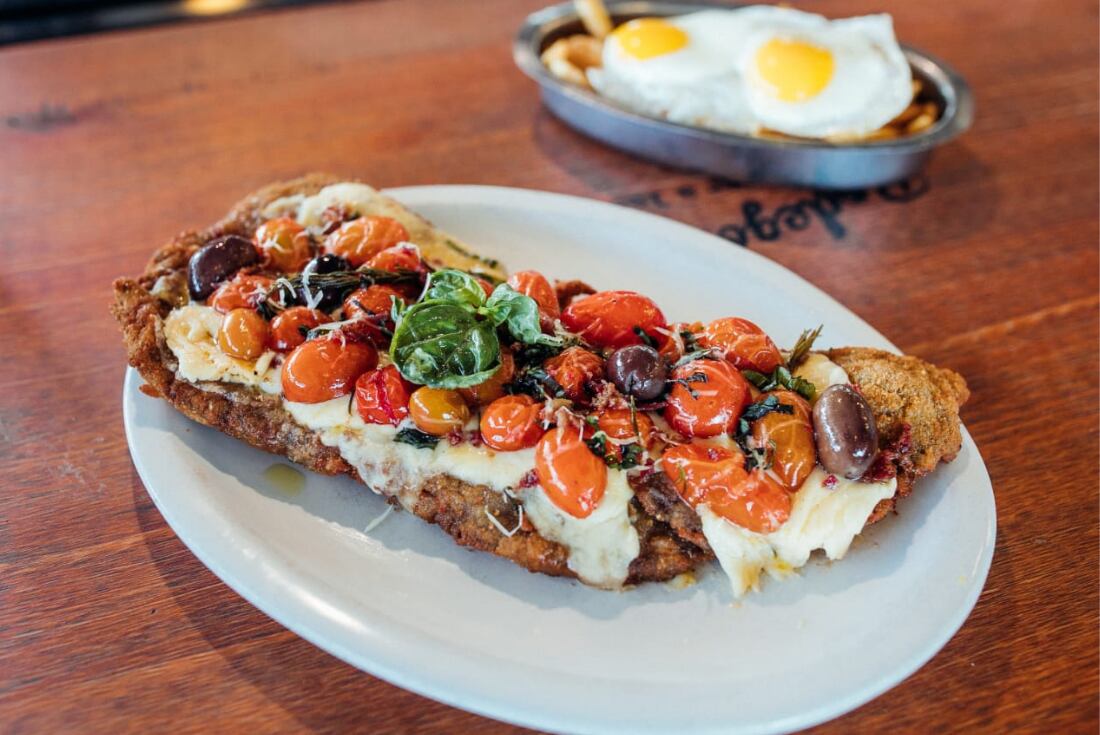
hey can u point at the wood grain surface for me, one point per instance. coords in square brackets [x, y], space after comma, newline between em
[110, 144]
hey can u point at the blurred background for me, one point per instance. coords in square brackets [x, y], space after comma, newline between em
[27, 20]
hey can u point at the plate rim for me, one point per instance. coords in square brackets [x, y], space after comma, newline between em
[290, 614]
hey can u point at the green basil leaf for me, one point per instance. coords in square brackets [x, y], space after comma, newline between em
[519, 314]
[454, 287]
[416, 438]
[444, 345]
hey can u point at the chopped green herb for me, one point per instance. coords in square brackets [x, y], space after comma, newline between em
[644, 336]
[416, 438]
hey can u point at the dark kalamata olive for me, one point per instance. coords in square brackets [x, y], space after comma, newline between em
[217, 261]
[317, 295]
[637, 370]
[846, 435]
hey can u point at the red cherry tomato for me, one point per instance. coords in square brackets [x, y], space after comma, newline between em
[759, 503]
[608, 318]
[698, 469]
[511, 422]
[485, 285]
[397, 258]
[371, 301]
[619, 424]
[243, 292]
[788, 439]
[361, 239]
[288, 328]
[675, 345]
[708, 398]
[742, 343]
[284, 244]
[382, 396]
[574, 369]
[322, 369]
[535, 285]
[570, 474]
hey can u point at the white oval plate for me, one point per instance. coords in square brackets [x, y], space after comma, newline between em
[408, 605]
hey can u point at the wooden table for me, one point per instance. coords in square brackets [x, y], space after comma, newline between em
[111, 144]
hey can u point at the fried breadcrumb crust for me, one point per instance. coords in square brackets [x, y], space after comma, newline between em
[902, 391]
[458, 507]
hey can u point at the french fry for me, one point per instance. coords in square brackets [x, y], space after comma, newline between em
[594, 15]
[924, 120]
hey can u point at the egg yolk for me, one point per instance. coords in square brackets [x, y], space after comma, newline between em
[645, 38]
[796, 70]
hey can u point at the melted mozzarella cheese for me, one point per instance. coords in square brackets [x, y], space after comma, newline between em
[601, 546]
[191, 331]
[821, 518]
[821, 371]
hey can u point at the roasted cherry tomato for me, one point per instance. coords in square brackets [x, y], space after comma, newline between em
[570, 474]
[326, 368]
[609, 318]
[361, 239]
[697, 470]
[243, 334]
[788, 438]
[760, 503]
[284, 244]
[397, 258]
[289, 327]
[511, 422]
[485, 285]
[623, 425]
[679, 341]
[742, 343]
[243, 292]
[492, 388]
[382, 396]
[535, 285]
[574, 369]
[707, 398]
[371, 301]
[438, 411]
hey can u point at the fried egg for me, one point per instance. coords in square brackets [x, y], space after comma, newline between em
[759, 67]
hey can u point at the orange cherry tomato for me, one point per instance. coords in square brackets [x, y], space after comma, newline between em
[243, 292]
[574, 369]
[570, 474]
[708, 399]
[511, 422]
[492, 388]
[288, 328]
[326, 368]
[608, 318]
[382, 396]
[397, 258]
[284, 244]
[438, 411]
[243, 334]
[371, 301]
[618, 424]
[361, 239]
[698, 470]
[790, 437]
[759, 503]
[535, 285]
[742, 343]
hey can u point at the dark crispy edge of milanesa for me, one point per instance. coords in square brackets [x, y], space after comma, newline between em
[260, 420]
[911, 400]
